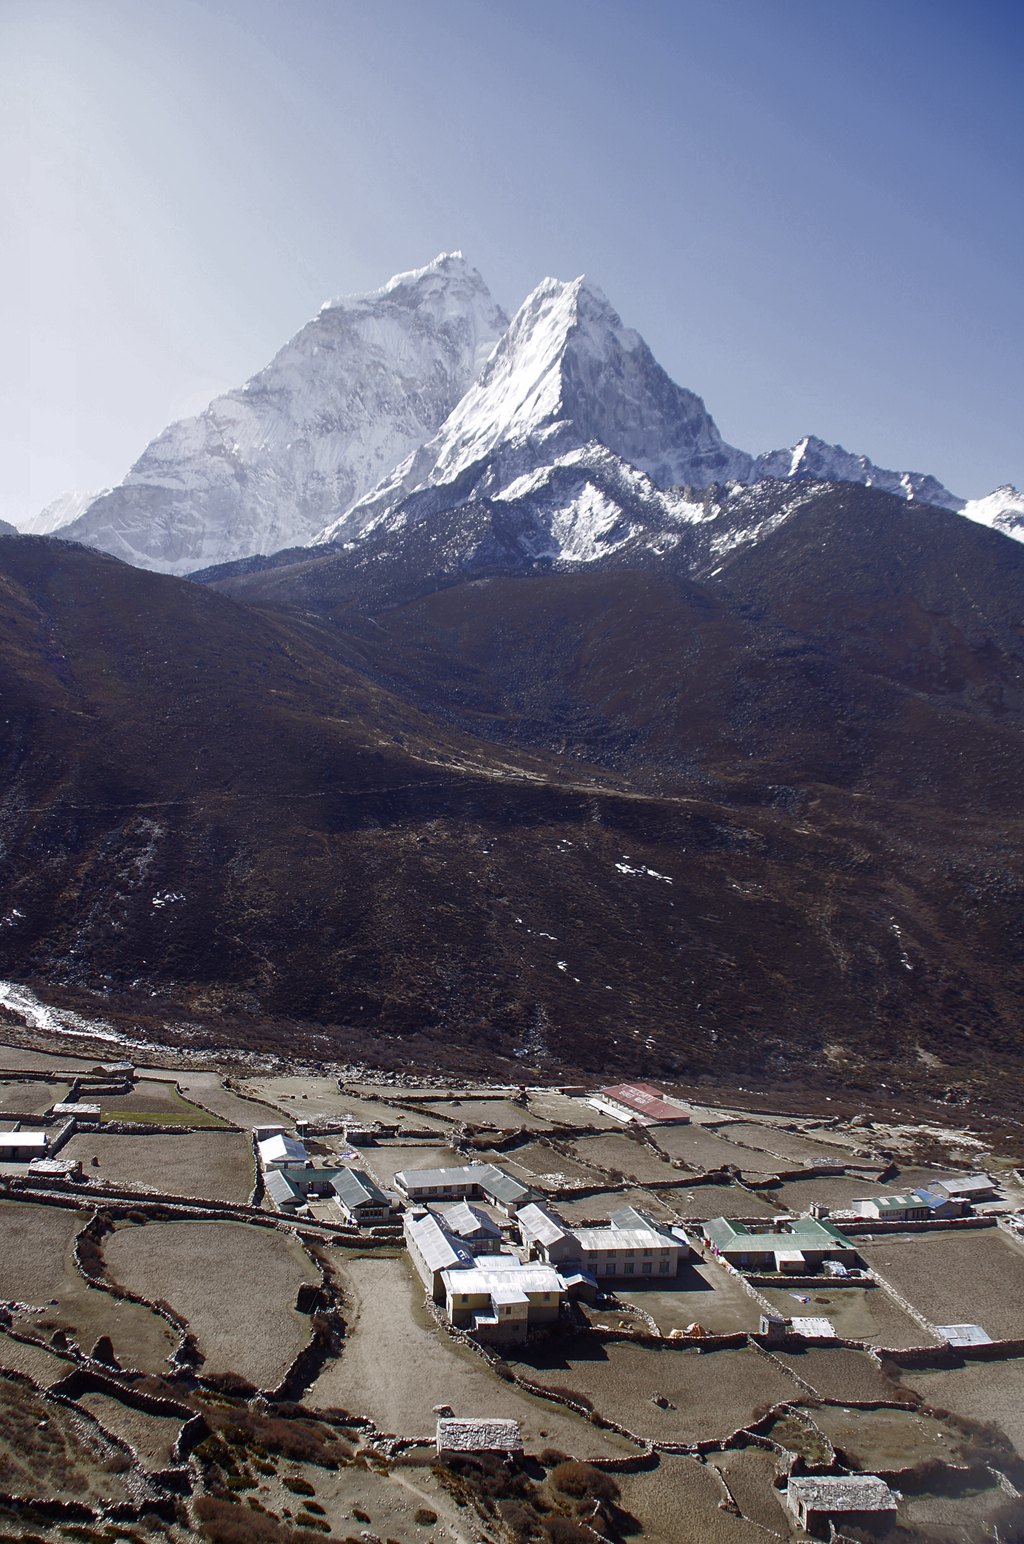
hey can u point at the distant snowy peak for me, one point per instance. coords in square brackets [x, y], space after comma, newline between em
[1002, 510]
[58, 514]
[566, 373]
[812, 457]
[265, 466]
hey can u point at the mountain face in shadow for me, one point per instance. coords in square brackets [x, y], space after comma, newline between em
[746, 813]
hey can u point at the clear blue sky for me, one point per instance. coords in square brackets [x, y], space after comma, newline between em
[812, 210]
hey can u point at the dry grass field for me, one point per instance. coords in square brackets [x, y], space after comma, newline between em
[831, 1190]
[711, 1393]
[18, 1059]
[719, 1201]
[156, 1102]
[570, 1111]
[872, 1439]
[207, 1089]
[680, 1501]
[704, 1151]
[973, 1277]
[750, 1473]
[396, 1365]
[979, 1391]
[298, 1098]
[535, 1161]
[22, 1098]
[792, 1147]
[599, 1206]
[501, 1113]
[858, 1313]
[45, 1450]
[385, 1161]
[624, 1155]
[43, 1367]
[36, 1266]
[236, 1286]
[214, 1164]
[700, 1294]
[836, 1373]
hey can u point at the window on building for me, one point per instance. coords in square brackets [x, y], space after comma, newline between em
[628, 1268]
[663, 1267]
[647, 1267]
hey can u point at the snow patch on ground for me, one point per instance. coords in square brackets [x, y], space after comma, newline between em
[625, 867]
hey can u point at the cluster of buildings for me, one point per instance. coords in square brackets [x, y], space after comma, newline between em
[945, 1198]
[291, 1180]
[500, 1292]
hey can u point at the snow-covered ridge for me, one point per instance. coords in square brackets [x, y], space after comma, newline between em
[418, 398]
[1002, 510]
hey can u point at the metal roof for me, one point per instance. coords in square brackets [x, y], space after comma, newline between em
[966, 1184]
[281, 1148]
[279, 1189]
[489, 1275]
[495, 1182]
[964, 1334]
[33, 1139]
[592, 1239]
[646, 1100]
[465, 1220]
[792, 1233]
[447, 1179]
[633, 1217]
[440, 1249]
[813, 1328]
[902, 1203]
[355, 1188]
[537, 1223]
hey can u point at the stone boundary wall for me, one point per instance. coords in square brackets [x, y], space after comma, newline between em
[187, 1354]
[327, 1333]
[929, 1225]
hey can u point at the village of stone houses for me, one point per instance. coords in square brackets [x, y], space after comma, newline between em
[315, 1303]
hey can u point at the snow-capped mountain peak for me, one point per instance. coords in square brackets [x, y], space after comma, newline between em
[566, 373]
[265, 466]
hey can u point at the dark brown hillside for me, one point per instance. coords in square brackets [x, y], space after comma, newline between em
[611, 818]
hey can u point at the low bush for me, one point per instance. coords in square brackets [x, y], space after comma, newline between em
[300, 1487]
[583, 1481]
[425, 1517]
[562, 1530]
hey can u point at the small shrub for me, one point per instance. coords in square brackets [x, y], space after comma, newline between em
[425, 1517]
[583, 1481]
[562, 1530]
[300, 1487]
[359, 1515]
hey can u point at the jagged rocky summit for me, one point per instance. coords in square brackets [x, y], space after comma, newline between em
[422, 398]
